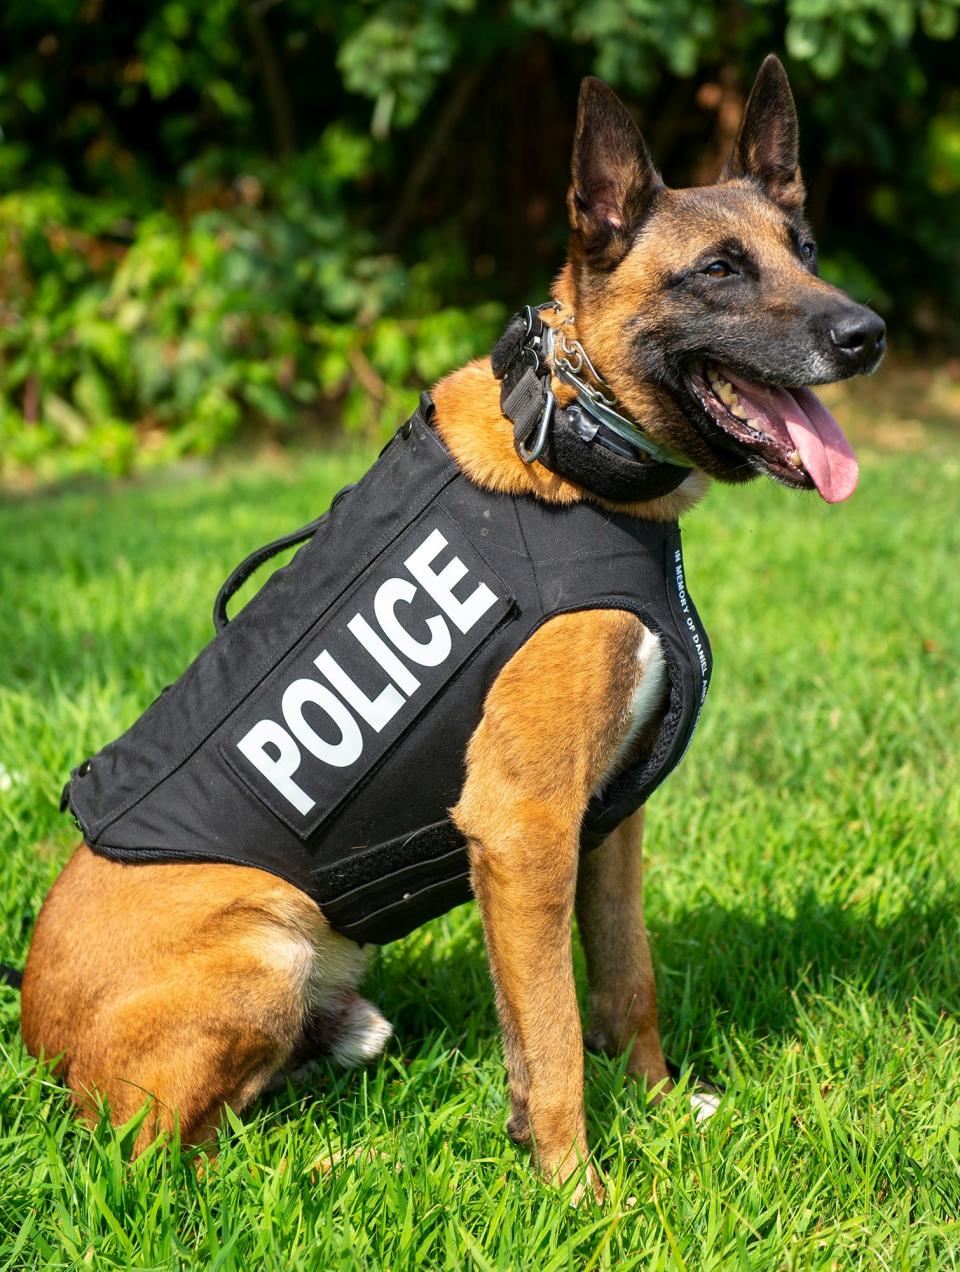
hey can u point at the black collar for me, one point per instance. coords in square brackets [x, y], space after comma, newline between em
[588, 442]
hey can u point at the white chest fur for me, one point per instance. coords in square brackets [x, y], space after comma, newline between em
[648, 693]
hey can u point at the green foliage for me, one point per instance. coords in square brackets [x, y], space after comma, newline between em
[219, 215]
[271, 309]
[397, 54]
[801, 891]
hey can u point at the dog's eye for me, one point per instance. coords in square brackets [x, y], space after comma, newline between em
[808, 251]
[717, 269]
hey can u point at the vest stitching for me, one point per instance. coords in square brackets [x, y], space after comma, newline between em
[530, 557]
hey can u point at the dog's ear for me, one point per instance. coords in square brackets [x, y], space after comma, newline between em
[613, 177]
[767, 145]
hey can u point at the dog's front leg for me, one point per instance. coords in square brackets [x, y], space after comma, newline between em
[623, 997]
[551, 725]
[525, 886]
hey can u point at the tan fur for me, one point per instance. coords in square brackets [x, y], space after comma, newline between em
[623, 1000]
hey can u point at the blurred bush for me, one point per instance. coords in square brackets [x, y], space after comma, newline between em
[268, 310]
[220, 214]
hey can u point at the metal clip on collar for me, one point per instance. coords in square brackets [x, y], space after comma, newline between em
[526, 396]
[587, 441]
[534, 452]
[531, 454]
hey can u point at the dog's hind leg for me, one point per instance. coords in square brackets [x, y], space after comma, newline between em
[190, 984]
[623, 997]
[188, 1061]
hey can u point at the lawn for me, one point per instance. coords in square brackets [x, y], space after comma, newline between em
[802, 896]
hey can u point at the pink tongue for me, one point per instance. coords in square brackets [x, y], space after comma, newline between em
[826, 454]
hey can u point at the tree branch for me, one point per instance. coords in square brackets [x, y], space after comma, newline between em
[278, 98]
[428, 160]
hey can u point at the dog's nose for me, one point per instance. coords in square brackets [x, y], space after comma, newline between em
[858, 334]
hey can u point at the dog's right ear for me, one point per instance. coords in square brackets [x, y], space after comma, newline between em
[613, 177]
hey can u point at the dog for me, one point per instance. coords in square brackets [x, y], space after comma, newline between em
[198, 983]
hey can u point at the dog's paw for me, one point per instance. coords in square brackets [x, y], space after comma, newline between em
[588, 1190]
[518, 1128]
[595, 1039]
[704, 1101]
[359, 1034]
[348, 1030]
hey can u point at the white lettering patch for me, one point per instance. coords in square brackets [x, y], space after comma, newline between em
[342, 697]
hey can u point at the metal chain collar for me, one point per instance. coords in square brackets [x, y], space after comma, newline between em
[567, 362]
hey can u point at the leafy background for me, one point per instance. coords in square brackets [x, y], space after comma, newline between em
[221, 218]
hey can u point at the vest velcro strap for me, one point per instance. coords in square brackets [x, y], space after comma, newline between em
[524, 405]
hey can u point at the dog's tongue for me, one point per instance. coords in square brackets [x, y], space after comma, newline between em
[826, 454]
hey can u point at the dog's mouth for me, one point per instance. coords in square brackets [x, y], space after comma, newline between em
[788, 432]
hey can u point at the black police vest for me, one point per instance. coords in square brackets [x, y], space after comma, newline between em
[322, 734]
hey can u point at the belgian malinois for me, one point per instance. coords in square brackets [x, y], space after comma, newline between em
[705, 314]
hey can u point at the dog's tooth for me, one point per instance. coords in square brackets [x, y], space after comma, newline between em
[794, 458]
[726, 393]
[713, 375]
[738, 411]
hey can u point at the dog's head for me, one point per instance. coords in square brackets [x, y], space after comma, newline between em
[703, 308]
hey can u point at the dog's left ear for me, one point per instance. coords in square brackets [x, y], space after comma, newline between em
[767, 145]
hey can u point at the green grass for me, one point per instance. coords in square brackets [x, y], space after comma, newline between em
[802, 896]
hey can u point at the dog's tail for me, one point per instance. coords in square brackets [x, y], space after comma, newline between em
[10, 976]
